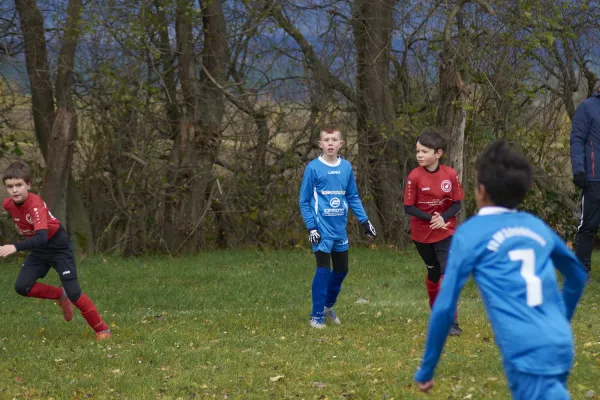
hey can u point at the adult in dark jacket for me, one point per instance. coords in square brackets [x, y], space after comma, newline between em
[585, 140]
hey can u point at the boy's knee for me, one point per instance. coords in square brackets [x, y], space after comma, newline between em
[22, 289]
[72, 289]
[340, 261]
[434, 273]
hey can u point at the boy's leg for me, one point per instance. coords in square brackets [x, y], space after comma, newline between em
[340, 270]
[64, 264]
[537, 387]
[35, 267]
[588, 225]
[441, 252]
[319, 284]
[339, 258]
[334, 286]
[432, 282]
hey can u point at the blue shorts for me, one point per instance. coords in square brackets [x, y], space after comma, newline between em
[328, 245]
[525, 386]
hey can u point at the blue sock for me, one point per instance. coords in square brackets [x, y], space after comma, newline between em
[333, 287]
[319, 291]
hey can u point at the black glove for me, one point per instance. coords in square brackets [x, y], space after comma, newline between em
[579, 180]
[369, 228]
[314, 236]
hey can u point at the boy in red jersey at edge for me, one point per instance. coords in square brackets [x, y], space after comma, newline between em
[50, 247]
[432, 198]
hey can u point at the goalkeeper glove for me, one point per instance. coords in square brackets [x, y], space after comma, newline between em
[314, 236]
[369, 228]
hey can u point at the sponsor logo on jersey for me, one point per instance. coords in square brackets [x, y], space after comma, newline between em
[446, 186]
[425, 189]
[335, 202]
[336, 172]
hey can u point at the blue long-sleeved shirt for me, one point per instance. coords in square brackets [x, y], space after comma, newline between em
[326, 193]
[585, 137]
[512, 256]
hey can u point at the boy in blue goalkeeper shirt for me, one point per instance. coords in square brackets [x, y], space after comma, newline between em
[512, 256]
[328, 190]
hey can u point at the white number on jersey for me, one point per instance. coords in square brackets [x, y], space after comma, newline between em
[533, 282]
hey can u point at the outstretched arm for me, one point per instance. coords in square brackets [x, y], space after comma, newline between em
[457, 272]
[571, 268]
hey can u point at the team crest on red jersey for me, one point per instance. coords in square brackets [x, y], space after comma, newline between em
[29, 218]
[446, 186]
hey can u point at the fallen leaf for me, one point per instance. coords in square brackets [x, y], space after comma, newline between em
[276, 378]
[319, 385]
[360, 300]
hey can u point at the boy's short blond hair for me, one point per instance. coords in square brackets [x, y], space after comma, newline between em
[17, 170]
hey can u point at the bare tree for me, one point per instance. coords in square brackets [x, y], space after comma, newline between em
[69, 209]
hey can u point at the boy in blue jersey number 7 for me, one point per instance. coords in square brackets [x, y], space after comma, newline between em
[328, 189]
[512, 256]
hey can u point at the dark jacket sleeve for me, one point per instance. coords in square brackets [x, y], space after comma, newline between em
[579, 134]
[40, 239]
[415, 212]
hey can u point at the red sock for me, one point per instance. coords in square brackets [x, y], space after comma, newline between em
[455, 311]
[42, 291]
[433, 288]
[89, 312]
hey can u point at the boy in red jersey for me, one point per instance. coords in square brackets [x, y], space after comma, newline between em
[432, 198]
[50, 247]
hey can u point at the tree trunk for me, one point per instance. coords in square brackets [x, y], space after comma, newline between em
[454, 85]
[61, 141]
[42, 99]
[199, 134]
[36, 60]
[380, 148]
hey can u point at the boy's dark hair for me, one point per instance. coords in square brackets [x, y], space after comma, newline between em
[17, 170]
[434, 138]
[505, 172]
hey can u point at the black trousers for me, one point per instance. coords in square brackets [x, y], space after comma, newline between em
[434, 256]
[57, 254]
[588, 224]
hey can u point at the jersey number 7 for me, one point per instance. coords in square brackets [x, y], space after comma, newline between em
[533, 282]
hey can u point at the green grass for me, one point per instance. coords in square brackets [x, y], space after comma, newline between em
[226, 324]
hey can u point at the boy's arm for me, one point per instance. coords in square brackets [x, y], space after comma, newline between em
[571, 268]
[457, 272]
[39, 239]
[578, 138]
[306, 193]
[452, 210]
[410, 199]
[415, 212]
[354, 199]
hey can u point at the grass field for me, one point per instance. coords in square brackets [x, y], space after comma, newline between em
[234, 325]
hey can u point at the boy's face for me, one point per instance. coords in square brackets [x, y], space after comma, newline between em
[17, 189]
[331, 143]
[427, 156]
